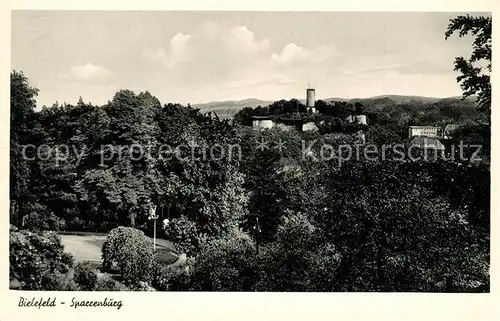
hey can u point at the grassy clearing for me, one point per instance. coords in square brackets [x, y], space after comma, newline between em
[87, 247]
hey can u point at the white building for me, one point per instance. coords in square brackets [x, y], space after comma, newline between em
[360, 119]
[425, 131]
[310, 126]
[262, 122]
[357, 119]
[427, 143]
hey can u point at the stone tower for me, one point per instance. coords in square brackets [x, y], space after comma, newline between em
[310, 100]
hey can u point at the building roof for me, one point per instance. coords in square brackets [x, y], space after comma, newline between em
[427, 142]
[421, 127]
[261, 117]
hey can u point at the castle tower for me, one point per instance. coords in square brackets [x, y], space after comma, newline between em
[310, 100]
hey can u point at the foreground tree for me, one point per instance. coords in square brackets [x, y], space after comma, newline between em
[475, 71]
[22, 106]
[225, 264]
[132, 251]
[37, 261]
[203, 191]
[125, 181]
[395, 234]
[297, 260]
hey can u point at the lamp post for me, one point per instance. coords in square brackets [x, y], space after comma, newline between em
[257, 234]
[154, 217]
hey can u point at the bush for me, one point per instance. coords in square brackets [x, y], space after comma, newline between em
[296, 261]
[41, 220]
[37, 261]
[106, 283]
[226, 264]
[77, 224]
[182, 231]
[174, 277]
[68, 282]
[132, 251]
[86, 276]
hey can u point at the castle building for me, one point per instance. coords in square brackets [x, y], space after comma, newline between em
[308, 124]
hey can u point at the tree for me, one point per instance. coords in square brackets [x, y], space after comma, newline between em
[22, 107]
[287, 107]
[474, 78]
[244, 116]
[322, 106]
[65, 130]
[132, 251]
[395, 234]
[225, 264]
[22, 102]
[182, 231]
[380, 135]
[359, 108]
[296, 261]
[202, 183]
[37, 261]
[127, 181]
[268, 193]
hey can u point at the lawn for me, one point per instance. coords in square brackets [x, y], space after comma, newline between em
[87, 247]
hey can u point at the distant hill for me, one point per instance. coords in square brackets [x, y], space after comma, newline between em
[249, 102]
[400, 99]
[227, 109]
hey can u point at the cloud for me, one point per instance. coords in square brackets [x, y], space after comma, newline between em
[242, 39]
[213, 43]
[88, 71]
[293, 53]
[177, 52]
[214, 52]
[231, 57]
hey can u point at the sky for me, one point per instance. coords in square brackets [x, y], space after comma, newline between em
[194, 57]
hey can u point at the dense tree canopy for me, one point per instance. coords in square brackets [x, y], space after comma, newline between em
[475, 71]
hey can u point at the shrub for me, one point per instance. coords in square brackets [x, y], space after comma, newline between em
[132, 251]
[144, 286]
[287, 264]
[225, 264]
[37, 261]
[184, 234]
[174, 277]
[41, 220]
[68, 282]
[106, 283]
[77, 224]
[86, 276]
